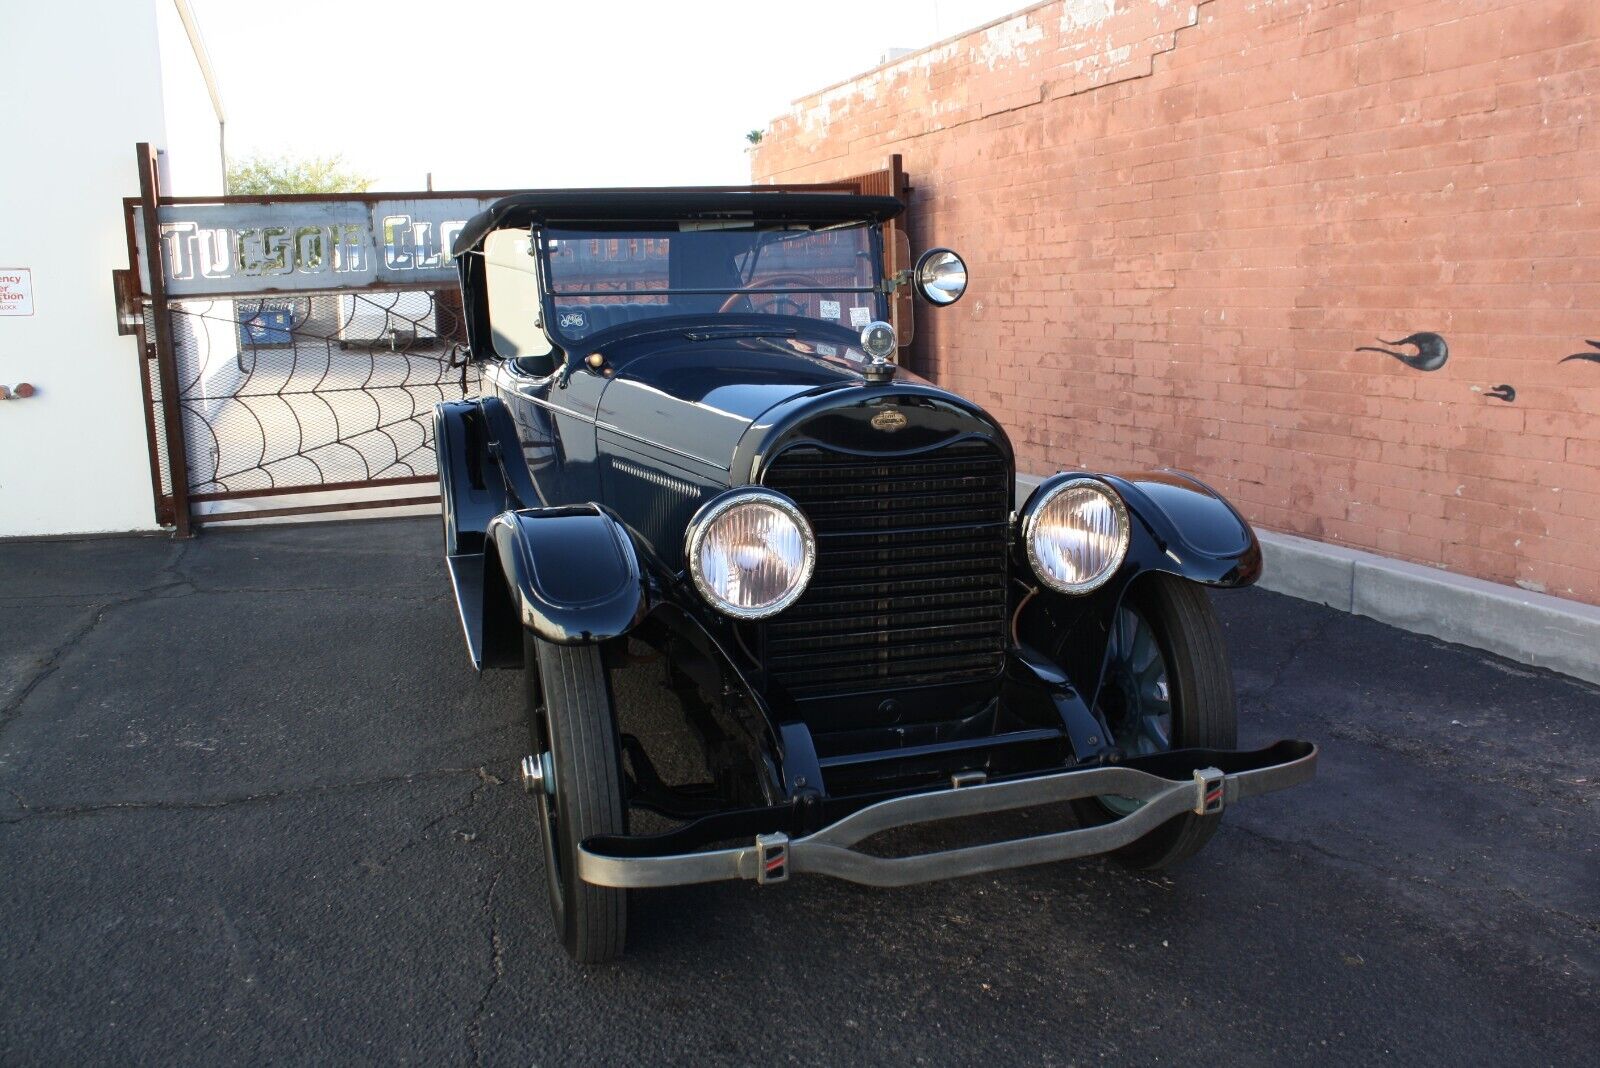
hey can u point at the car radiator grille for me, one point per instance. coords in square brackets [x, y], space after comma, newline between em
[910, 583]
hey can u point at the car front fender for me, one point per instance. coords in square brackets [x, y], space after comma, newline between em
[571, 573]
[481, 469]
[1184, 527]
[1177, 525]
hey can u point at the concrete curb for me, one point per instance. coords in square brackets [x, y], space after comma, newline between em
[1531, 628]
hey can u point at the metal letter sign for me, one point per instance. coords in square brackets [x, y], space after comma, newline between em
[246, 249]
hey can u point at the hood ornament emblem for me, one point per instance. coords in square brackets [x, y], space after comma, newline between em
[878, 342]
[889, 420]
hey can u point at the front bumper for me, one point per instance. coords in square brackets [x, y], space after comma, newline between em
[1201, 781]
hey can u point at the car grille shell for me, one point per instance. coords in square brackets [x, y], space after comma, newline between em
[911, 578]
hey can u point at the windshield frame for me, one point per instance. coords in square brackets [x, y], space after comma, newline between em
[642, 227]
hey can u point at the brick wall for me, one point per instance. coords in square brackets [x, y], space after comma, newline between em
[1182, 223]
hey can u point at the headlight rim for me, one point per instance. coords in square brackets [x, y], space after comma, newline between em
[711, 511]
[920, 270]
[1030, 520]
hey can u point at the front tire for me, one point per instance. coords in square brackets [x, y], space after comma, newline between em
[570, 718]
[1168, 686]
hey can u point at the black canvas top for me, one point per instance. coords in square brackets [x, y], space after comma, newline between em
[578, 206]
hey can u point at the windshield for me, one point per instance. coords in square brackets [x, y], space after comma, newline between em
[603, 278]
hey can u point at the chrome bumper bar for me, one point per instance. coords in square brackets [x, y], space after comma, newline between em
[773, 857]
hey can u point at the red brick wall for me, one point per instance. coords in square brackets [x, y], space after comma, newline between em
[1182, 222]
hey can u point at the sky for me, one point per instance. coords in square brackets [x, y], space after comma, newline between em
[492, 94]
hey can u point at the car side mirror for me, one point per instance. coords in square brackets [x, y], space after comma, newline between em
[940, 276]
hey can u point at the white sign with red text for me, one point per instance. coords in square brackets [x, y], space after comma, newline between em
[16, 291]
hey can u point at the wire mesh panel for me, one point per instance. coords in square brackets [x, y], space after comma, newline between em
[162, 470]
[300, 344]
[312, 391]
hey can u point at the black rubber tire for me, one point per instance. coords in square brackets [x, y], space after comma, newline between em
[570, 714]
[1204, 710]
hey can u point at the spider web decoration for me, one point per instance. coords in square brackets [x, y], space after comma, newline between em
[315, 390]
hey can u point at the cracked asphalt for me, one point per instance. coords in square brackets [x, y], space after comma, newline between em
[254, 806]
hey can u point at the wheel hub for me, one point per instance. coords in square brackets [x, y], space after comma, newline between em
[538, 774]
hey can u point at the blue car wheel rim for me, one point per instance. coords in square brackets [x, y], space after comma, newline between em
[1137, 700]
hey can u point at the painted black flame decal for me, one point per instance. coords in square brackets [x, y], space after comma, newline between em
[1432, 351]
[1505, 393]
[1593, 357]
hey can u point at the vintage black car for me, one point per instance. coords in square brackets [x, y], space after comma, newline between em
[693, 444]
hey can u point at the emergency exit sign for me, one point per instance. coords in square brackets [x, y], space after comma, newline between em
[16, 291]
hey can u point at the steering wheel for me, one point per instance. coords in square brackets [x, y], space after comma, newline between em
[773, 300]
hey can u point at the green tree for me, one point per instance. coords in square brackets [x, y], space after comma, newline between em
[267, 175]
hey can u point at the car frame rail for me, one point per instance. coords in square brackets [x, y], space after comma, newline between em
[1200, 781]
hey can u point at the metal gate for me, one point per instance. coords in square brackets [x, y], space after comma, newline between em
[293, 347]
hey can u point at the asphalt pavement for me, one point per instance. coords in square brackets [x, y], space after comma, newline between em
[255, 807]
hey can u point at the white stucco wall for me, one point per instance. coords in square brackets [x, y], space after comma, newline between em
[83, 83]
[192, 164]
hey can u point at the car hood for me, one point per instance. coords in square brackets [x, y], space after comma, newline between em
[694, 394]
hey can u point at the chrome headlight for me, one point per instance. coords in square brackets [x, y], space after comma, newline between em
[751, 553]
[941, 276]
[1076, 535]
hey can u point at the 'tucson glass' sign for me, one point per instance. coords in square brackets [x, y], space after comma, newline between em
[241, 249]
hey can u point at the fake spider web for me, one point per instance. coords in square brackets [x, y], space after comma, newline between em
[302, 391]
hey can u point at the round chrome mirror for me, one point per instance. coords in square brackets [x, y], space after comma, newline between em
[941, 276]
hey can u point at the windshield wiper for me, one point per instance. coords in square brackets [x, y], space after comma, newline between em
[767, 343]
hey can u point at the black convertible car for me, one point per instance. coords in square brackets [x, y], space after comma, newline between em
[693, 445]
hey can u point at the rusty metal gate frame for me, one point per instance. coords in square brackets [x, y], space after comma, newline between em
[147, 304]
[146, 309]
